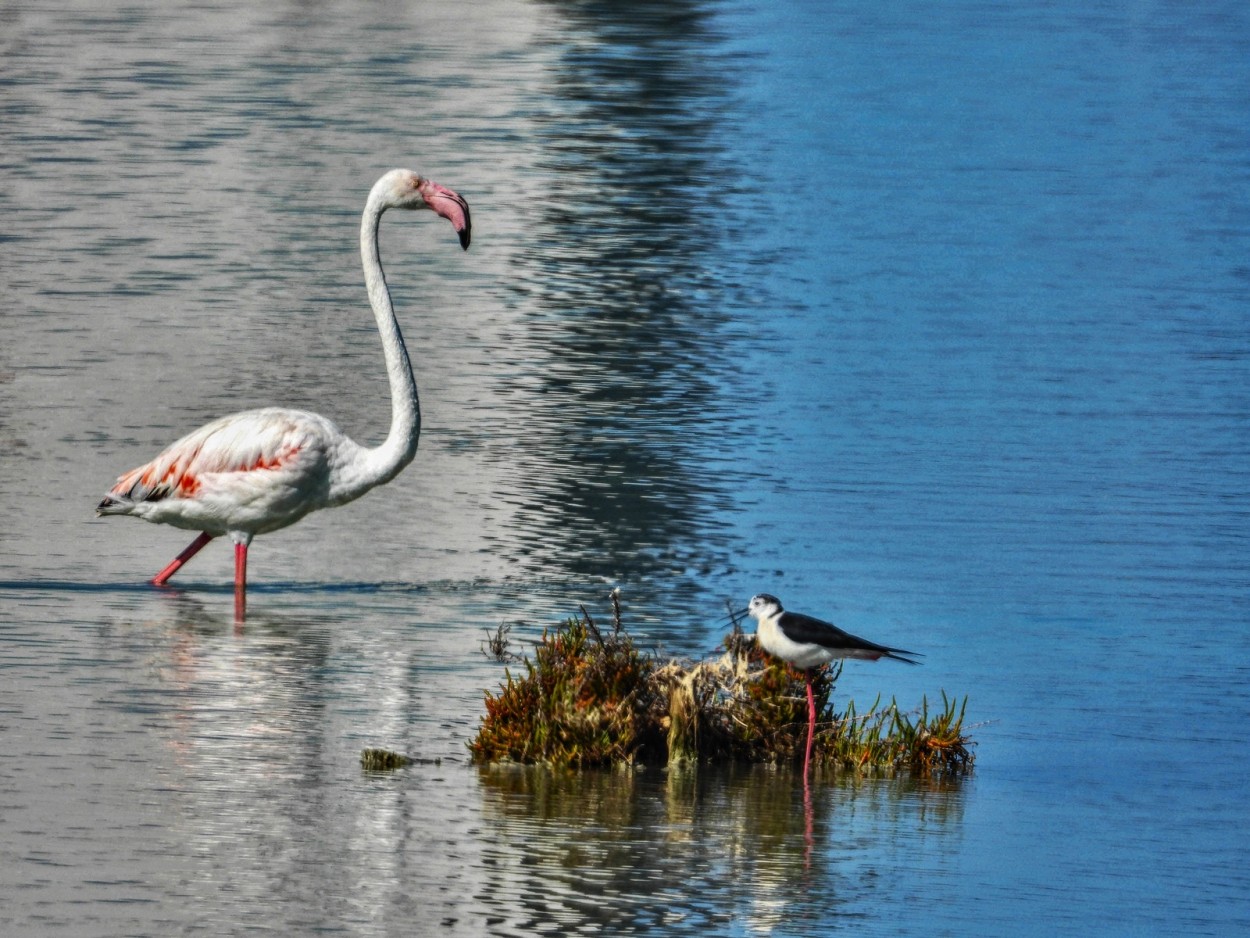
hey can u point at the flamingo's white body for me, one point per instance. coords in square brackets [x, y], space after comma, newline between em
[261, 470]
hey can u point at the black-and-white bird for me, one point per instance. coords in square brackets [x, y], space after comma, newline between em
[809, 643]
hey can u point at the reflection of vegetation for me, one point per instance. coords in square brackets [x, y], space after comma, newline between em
[588, 699]
[726, 849]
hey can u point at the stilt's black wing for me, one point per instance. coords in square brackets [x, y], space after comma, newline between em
[811, 631]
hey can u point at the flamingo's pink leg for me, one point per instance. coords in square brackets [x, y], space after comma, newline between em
[192, 549]
[240, 581]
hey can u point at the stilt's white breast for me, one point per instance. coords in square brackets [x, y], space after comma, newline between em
[799, 654]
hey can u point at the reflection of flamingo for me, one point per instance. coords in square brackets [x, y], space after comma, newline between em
[255, 472]
[809, 643]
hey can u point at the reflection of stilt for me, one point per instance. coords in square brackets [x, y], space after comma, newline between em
[808, 840]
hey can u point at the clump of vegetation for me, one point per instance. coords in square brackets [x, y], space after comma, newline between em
[387, 760]
[496, 643]
[586, 699]
[382, 760]
[589, 699]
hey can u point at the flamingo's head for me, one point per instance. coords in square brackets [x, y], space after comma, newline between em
[402, 188]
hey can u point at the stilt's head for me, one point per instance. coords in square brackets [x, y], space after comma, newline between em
[763, 606]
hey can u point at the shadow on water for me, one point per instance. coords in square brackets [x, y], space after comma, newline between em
[181, 589]
[688, 850]
[619, 345]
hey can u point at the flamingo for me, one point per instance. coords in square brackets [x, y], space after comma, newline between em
[261, 470]
[810, 643]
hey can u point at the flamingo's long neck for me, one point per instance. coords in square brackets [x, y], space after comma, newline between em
[381, 464]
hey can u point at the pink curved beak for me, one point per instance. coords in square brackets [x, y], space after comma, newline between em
[450, 206]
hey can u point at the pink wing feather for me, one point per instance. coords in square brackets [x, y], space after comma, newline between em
[271, 459]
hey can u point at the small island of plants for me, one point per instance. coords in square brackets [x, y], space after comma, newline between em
[591, 697]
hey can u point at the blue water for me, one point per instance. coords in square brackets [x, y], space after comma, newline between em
[1006, 352]
[929, 320]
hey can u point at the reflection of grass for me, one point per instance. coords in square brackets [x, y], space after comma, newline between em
[593, 699]
[712, 847]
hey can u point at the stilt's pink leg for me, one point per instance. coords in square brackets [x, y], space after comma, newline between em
[240, 581]
[811, 725]
[811, 702]
[194, 548]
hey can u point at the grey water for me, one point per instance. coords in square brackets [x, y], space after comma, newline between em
[931, 320]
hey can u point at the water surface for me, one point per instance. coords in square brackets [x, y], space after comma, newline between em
[929, 321]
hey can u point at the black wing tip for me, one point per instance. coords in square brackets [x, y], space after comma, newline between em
[465, 233]
[109, 506]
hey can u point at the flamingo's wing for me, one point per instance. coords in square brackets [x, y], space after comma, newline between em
[237, 446]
